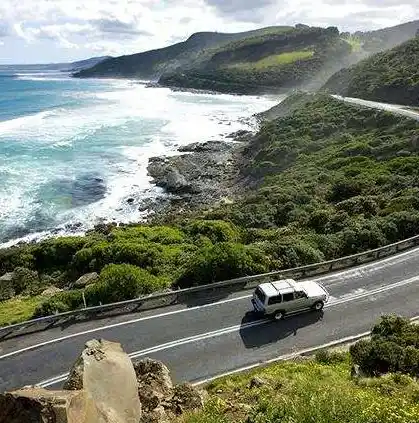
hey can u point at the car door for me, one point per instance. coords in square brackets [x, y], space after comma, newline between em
[288, 302]
[301, 300]
[274, 304]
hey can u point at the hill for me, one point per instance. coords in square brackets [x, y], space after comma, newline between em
[387, 38]
[391, 76]
[272, 61]
[83, 64]
[273, 58]
[151, 64]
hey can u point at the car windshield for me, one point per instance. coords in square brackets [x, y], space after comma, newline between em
[261, 295]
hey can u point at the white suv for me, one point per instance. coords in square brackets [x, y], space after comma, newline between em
[287, 296]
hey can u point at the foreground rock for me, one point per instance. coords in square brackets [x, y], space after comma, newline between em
[39, 405]
[104, 386]
[160, 399]
[107, 375]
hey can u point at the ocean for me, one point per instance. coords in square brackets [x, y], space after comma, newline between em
[73, 151]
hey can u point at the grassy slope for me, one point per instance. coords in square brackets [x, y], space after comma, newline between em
[391, 76]
[325, 179]
[310, 392]
[151, 64]
[274, 61]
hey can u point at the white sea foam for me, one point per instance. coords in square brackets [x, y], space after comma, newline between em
[112, 133]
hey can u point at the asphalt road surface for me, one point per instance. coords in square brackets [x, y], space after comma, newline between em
[202, 341]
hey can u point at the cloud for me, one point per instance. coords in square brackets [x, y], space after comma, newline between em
[246, 10]
[82, 27]
[115, 26]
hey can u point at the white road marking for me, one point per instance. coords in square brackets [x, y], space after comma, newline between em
[115, 325]
[334, 276]
[231, 329]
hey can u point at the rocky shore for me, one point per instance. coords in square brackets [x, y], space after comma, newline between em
[201, 175]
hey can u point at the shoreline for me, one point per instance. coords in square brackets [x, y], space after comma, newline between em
[137, 205]
[187, 185]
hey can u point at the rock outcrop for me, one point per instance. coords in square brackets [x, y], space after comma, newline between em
[205, 175]
[104, 386]
[35, 405]
[107, 375]
[160, 399]
[86, 280]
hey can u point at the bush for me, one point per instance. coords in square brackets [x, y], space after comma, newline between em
[26, 281]
[221, 262]
[55, 254]
[60, 303]
[394, 347]
[119, 282]
[215, 230]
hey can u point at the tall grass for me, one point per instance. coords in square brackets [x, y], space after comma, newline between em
[310, 393]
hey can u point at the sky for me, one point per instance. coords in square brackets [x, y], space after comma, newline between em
[54, 31]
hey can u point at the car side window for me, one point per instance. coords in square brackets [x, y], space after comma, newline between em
[300, 294]
[288, 297]
[275, 300]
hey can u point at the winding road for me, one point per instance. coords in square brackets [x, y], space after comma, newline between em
[199, 342]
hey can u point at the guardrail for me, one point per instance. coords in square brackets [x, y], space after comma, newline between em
[201, 294]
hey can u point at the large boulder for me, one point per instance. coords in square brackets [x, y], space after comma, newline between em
[160, 399]
[7, 290]
[107, 375]
[86, 280]
[153, 376]
[35, 405]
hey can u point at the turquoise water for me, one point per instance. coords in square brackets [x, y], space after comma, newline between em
[73, 151]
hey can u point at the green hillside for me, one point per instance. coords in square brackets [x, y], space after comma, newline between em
[151, 64]
[391, 76]
[273, 61]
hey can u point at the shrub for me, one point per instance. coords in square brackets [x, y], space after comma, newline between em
[26, 281]
[57, 253]
[215, 230]
[393, 348]
[60, 303]
[119, 282]
[221, 262]
[10, 258]
[294, 253]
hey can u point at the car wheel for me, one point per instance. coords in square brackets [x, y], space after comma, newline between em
[318, 306]
[278, 315]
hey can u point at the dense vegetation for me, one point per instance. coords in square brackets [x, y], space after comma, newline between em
[393, 348]
[323, 180]
[151, 64]
[255, 61]
[263, 63]
[320, 390]
[391, 76]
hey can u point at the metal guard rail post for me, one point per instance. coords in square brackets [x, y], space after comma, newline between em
[204, 292]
